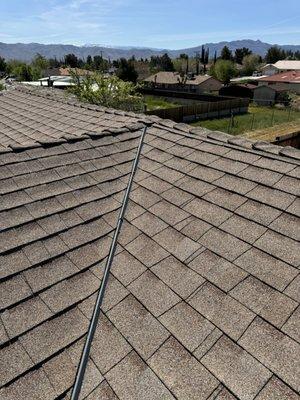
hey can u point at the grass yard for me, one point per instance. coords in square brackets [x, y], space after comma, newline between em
[257, 118]
[156, 102]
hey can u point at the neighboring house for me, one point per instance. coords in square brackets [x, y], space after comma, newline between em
[203, 295]
[287, 81]
[191, 83]
[281, 66]
[264, 95]
[64, 72]
[238, 90]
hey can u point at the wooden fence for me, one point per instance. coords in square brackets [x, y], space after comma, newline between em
[205, 110]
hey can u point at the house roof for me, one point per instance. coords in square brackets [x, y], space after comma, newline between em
[203, 297]
[285, 77]
[61, 71]
[288, 64]
[171, 78]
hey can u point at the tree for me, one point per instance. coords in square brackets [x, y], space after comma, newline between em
[215, 57]
[71, 61]
[185, 57]
[166, 63]
[26, 73]
[40, 62]
[240, 54]
[250, 64]
[3, 65]
[226, 53]
[106, 91]
[89, 61]
[275, 54]
[223, 70]
[126, 71]
[100, 64]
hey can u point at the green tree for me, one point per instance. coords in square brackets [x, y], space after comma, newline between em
[185, 57]
[161, 63]
[3, 65]
[71, 61]
[226, 53]
[126, 71]
[89, 61]
[25, 72]
[275, 54]
[223, 70]
[40, 62]
[240, 54]
[107, 91]
[250, 64]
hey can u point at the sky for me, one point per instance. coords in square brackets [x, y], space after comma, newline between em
[170, 24]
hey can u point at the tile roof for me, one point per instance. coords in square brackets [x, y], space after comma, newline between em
[175, 78]
[203, 296]
[289, 77]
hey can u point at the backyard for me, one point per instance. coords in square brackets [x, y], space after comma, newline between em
[156, 102]
[257, 118]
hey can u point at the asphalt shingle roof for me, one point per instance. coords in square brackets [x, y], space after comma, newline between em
[203, 296]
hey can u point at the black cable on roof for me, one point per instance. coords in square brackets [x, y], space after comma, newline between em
[97, 307]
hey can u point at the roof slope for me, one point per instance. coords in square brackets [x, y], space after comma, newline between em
[29, 115]
[203, 298]
[165, 77]
[289, 76]
[287, 64]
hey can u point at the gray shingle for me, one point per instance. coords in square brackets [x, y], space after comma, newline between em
[153, 293]
[237, 369]
[265, 301]
[275, 350]
[168, 212]
[126, 268]
[149, 224]
[267, 268]
[54, 335]
[177, 276]
[13, 362]
[223, 244]
[208, 212]
[292, 326]
[225, 312]
[181, 372]
[280, 246]
[187, 325]
[243, 228]
[35, 386]
[217, 270]
[275, 389]
[25, 316]
[133, 379]
[176, 243]
[138, 326]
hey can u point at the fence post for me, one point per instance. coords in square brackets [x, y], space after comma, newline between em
[272, 119]
[252, 122]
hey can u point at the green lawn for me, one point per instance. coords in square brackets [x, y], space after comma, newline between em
[156, 102]
[257, 118]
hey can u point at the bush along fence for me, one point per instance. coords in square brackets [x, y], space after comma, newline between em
[205, 110]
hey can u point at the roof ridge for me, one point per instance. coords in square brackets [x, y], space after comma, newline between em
[241, 142]
[69, 138]
[246, 144]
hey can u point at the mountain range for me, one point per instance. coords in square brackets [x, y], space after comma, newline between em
[26, 52]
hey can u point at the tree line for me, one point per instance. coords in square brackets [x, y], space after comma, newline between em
[225, 66]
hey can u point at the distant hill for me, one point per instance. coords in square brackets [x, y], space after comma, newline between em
[26, 52]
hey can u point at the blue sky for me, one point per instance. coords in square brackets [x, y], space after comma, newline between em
[170, 24]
